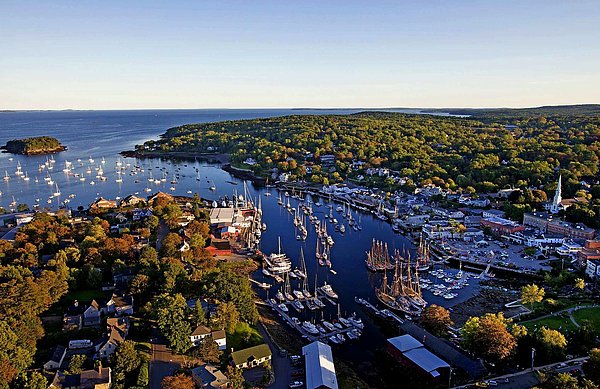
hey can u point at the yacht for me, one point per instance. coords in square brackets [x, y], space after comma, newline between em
[328, 291]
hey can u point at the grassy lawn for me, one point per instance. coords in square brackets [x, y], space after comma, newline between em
[591, 314]
[243, 337]
[562, 324]
[84, 296]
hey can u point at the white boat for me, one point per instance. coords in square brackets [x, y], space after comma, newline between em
[310, 328]
[356, 321]
[328, 291]
[283, 307]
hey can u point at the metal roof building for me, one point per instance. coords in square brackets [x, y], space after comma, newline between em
[407, 348]
[320, 371]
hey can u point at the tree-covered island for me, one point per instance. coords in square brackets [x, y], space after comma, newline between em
[34, 146]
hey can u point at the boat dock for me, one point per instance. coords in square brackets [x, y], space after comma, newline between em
[383, 313]
[324, 337]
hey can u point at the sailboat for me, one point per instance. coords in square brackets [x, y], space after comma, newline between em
[378, 258]
[213, 187]
[287, 288]
[57, 192]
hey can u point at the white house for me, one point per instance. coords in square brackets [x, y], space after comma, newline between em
[119, 305]
[58, 355]
[116, 331]
[202, 332]
[91, 315]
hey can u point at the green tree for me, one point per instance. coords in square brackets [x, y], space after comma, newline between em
[125, 359]
[77, 363]
[199, 317]
[552, 342]
[235, 377]
[531, 294]
[591, 367]
[208, 350]
[227, 316]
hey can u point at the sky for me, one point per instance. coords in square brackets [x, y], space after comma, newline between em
[287, 53]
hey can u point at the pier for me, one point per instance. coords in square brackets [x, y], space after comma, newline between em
[324, 337]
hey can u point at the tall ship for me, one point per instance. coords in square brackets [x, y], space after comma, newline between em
[378, 258]
[278, 263]
[404, 294]
[422, 262]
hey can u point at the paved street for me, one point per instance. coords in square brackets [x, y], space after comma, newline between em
[282, 366]
[163, 364]
[528, 378]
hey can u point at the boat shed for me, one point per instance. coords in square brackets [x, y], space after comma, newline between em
[320, 370]
[221, 215]
[410, 352]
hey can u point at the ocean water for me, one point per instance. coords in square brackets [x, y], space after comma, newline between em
[97, 135]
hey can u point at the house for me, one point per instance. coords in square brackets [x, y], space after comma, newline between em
[472, 234]
[492, 213]
[209, 376]
[250, 161]
[160, 195]
[411, 353]
[99, 378]
[202, 332]
[592, 268]
[116, 332]
[102, 203]
[320, 370]
[251, 357]
[91, 315]
[56, 359]
[131, 201]
[140, 214]
[119, 305]
[73, 317]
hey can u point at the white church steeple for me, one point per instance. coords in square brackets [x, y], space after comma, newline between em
[556, 203]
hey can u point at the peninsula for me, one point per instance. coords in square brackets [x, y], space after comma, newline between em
[34, 146]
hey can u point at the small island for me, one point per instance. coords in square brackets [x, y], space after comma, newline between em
[34, 146]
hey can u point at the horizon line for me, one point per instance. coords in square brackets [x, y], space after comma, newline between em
[8, 110]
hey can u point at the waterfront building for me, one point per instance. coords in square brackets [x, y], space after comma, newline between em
[411, 353]
[500, 226]
[320, 370]
[589, 252]
[545, 222]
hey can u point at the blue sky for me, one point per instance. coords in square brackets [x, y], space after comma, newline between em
[228, 54]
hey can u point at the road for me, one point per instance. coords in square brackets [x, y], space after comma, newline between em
[282, 366]
[528, 378]
[162, 364]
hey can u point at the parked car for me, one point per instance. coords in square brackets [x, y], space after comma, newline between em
[296, 384]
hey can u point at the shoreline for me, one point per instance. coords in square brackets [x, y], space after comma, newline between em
[35, 152]
[221, 158]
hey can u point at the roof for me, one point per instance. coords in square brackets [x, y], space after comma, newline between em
[201, 330]
[425, 359]
[209, 374]
[220, 334]
[320, 370]
[445, 350]
[58, 353]
[405, 343]
[256, 352]
[91, 378]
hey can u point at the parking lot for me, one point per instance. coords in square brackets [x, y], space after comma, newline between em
[497, 253]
